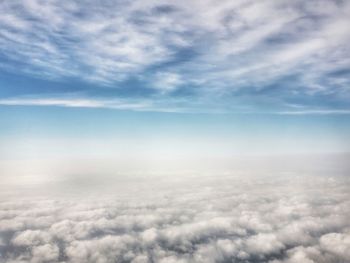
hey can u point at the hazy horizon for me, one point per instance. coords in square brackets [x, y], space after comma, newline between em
[198, 131]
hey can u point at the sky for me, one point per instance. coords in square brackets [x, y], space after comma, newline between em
[173, 79]
[173, 131]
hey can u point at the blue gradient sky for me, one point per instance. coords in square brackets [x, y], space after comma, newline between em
[57, 132]
[173, 79]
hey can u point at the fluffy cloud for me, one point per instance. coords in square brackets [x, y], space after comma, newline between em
[337, 244]
[45, 253]
[200, 218]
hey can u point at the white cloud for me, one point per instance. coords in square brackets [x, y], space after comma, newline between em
[187, 218]
[262, 244]
[240, 44]
[314, 112]
[31, 238]
[82, 103]
[337, 244]
[45, 253]
[53, 102]
[166, 81]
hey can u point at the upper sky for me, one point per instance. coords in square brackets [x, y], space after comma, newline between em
[173, 79]
[284, 57]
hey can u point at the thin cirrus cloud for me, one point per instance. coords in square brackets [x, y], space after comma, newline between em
[83, 103]
[295, 52]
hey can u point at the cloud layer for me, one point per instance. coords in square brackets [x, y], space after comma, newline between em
[277, 53]
[192, 218]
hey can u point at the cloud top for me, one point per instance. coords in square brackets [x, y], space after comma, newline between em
[187, 219]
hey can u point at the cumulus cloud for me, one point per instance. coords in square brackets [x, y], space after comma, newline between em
[198, 218]
[337, 244]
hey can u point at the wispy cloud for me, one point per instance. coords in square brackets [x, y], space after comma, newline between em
[151, 106]
[77, 103]
[209, 48]
[314, 112]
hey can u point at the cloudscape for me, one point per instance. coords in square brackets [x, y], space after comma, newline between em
[174, 131]
[227, 216]
[147, 55]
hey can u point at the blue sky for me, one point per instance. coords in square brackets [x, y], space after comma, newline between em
[247, 71]
[43, 132]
